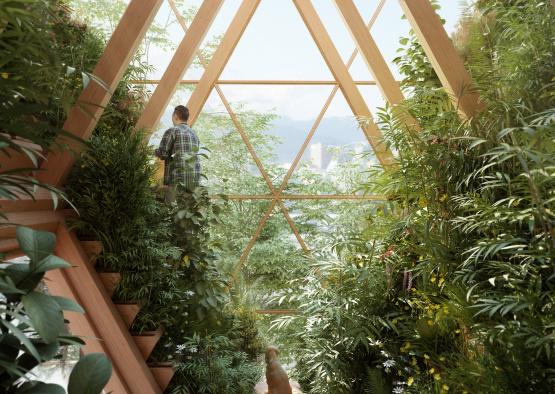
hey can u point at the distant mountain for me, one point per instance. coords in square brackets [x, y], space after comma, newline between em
[331, 132]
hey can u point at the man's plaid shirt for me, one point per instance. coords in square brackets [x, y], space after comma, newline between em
[179, 149]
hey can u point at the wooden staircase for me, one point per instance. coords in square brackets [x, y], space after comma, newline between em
[145, 341]
[105, 325]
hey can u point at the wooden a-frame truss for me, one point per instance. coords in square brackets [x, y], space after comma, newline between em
[209, 81]
[370, 53]
[102, 321]
[424, 21]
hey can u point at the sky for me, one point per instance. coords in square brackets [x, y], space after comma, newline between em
[277, 45]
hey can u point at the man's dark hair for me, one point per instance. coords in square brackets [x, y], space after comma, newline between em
[182, 112]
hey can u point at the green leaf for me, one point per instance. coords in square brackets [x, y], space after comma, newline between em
[10, 346]
[51, 263]
[48, 351]
[12, 369]
[212, 301]
[90, 375]
[70, 340]
[23, 278]
[45, 314]
[22, 338]
[68, 305]
[7, 286]
[86, 80]
[36, 244]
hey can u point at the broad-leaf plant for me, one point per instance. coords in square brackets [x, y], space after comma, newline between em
[32, 325]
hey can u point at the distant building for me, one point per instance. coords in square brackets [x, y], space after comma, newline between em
[320, 158]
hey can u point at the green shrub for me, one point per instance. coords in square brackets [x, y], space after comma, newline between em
[464, 301]
[212, 364]
[164, 252]
[37, 86]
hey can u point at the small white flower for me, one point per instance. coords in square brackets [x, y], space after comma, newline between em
[389, 363]
[193, 349]
[398, 390]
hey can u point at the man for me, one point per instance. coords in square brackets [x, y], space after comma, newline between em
[179, 150]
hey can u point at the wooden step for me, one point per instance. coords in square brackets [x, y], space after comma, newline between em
[92, 249]
[163, 373]
[146, 341]
[9, 246]
[39, 200]
[128, 313]
[102, 320]
[38, 220]
[110, 281]
[17, 160]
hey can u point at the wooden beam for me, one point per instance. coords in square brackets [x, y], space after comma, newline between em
[341, 73]
[221, 57]
[332, 197]
[355, 197]
[179, 64]
[445, 60]
[268, 212]
[374, 59]
[84, 116]
[232, 39]
[370, 52]
[253, 82]
[111, 328]
[325, 108]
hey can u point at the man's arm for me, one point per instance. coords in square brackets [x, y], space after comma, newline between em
[164, 150]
